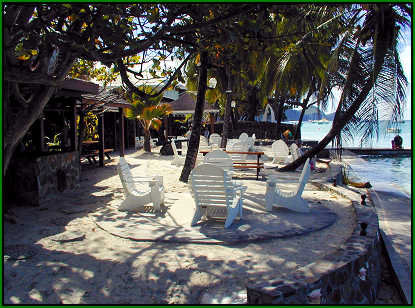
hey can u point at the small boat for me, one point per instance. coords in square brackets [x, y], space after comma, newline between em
[394, 130]
[322, 121]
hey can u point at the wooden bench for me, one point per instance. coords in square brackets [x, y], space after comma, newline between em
[245, 165]
[95, 153]
[242, 164]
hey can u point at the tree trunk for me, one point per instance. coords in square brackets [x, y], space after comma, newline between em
[227, 129]
[20, 116]
[147, 145]
[197, 120]
[252, 104]
[19, 120]
[342, 118]
[304, 106]
[280, 113]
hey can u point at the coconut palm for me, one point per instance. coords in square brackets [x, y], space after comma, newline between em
[373, 75]
[148, 112]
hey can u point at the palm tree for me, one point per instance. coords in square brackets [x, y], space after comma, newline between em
[193, 147]
[148, 112]
[374, 75]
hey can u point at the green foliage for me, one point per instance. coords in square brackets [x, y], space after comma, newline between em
[86, 69]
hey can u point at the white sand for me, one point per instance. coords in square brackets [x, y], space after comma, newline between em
[105, 269]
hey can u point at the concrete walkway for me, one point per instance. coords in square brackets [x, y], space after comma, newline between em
[394, 211]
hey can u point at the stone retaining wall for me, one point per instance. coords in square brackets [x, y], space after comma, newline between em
[37, 179]
[349, 276]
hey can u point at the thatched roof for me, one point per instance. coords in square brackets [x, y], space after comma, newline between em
[107, 98]
[186, 103]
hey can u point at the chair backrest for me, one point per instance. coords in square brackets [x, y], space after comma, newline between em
[173, 146]
[280, 148]
[219, 158]
[243, 137]
[239, 147]
[230, 143]
[251, 143]
[126, 177]
[211, 186]
[215, 139]
[302, 181]
[183, 144]
[295, 151]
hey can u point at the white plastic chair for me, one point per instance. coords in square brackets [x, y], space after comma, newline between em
[203, 144]
[178, 160]
[230, 142]
[291, 200]
[139, 191]
[238, 147]
[183, 144]
[280, 151]
[215, 139]
[214, 194]
[221, 159]
[295, 151]
[243, 137]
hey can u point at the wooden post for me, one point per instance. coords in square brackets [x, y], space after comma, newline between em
[212, 123]
[42, 133]
[122, 143]
[101, 139]
[166, 127]
[74, 140]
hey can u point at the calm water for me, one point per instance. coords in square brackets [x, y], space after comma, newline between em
[381, 172]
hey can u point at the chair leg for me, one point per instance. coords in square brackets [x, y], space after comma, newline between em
[197, 216]
[269, 196]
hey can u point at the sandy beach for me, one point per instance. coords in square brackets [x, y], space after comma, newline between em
[58, 253]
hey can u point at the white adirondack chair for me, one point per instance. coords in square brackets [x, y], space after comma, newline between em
[291, 200]
[221, 159]
[295, 151]
[215, 195]
[178, 160]
[238, 147]
[243, 137]
[230, 142]
[224, 160]
[281, 152]
[184, 145]
[139, 191]
[215, 139]
[203, 144]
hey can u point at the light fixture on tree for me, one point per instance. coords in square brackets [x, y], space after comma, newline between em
[228, 91]
[233, 104]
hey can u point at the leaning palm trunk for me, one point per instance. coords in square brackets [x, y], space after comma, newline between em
[303, 110]
[343, 117]
[197, 120]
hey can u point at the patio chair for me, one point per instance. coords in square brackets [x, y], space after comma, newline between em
[139, 191]
[221, 159]
[243, 137]
[291, 200]
[215, 194]
[183, 144]
[238, 147]
[295, 151]
[215, 139]
[178, 160]
[203, 144]
[230, 142]
[280, 151]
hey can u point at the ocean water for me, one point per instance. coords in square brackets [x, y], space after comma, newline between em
[382, 172]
